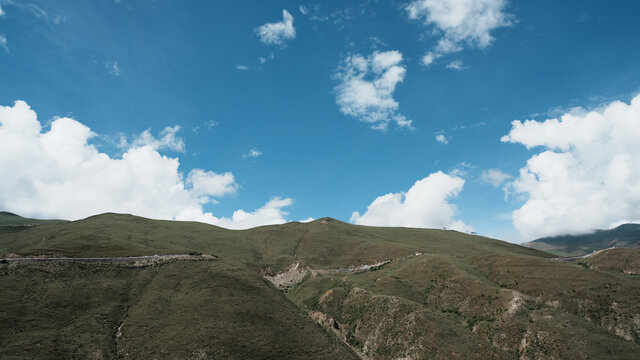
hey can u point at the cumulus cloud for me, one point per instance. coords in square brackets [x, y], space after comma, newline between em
[270, 213]
[460, 23]
[1, 11]
[495, 177]
[366, 88]
[585, 175]
[58, 174]
[278, 32]
[208, 183]
[425, 205]
[442, 139]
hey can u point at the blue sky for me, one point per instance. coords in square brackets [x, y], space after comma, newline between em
[124, 67]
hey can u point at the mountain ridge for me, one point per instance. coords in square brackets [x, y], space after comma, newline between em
[622, 236]
[432, 294]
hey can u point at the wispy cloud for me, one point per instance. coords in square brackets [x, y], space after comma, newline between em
[3, 43]
[59, 19]
[253, 153]
[464, 127]
[242, 67]
[303, 10]
[168, 140]
[112, 68]
[278, 32]
[457, 65]
[207, 124]
[494, 177]
[211, 124]
[263, 60]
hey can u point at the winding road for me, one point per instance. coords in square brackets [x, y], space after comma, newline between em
[127, 259]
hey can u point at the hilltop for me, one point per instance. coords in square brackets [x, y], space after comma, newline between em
[623, 236]
[303, 291]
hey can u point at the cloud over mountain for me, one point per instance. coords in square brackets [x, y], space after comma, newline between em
[59, 174]
[585, 175]
[425, 205]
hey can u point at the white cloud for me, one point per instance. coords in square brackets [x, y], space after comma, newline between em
[276, 33]
[168, 140]
[211, 124]
[30, 7]
[442, 139]
[270, 213]
[303, 10]
[307, 220]
[208, 183]
[59, 174]
[462, 169]
[34, 9]
[3, 42]
[456, 65]
[242, 67]
[253, 153]
[112, 68]
[495, 177]
[366, 88]
[59, 19]
[586, 173]
[460, 23]
[425, 205]
[429, 58]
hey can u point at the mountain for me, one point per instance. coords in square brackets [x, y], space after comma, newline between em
[319, 290]
[11, 219]
[624, 236]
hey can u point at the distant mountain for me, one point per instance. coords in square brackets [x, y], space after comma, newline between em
[11, 219]
[624, 236]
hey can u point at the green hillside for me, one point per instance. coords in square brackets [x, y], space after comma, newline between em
[442, 294]
[623, 236]
[11, 219]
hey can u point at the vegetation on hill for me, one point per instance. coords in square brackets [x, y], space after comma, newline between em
[11, 219]
[443, 294]
[623, 236]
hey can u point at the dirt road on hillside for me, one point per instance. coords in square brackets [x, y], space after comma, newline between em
[109, 260]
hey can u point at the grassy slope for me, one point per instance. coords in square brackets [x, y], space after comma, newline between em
[624, 236]
[625, 261]
[461, 289]
[11, 219]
